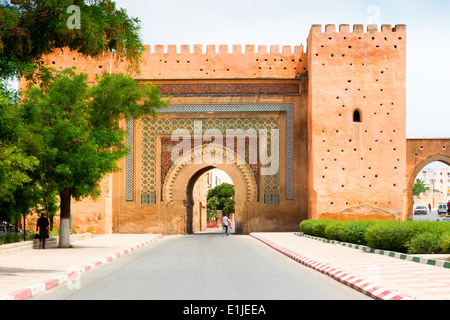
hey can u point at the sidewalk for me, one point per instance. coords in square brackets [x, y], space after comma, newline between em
[27, 273]
[379, 276]
[30, 272]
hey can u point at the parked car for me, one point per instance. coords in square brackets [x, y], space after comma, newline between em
[420, 210]
[443, 219]
[442, 209]
[9, 228]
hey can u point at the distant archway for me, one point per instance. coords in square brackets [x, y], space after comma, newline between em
[433, 188]
[190, 198]
[420, 153]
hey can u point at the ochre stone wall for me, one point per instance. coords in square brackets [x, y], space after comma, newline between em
[357, 163]
[186, 63]
[331, 165]
[199, 209]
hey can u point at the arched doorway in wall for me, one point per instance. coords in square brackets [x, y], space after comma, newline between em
[199, 217]
[420, 153]
[178, 187]
[431, 187]
[432, 168]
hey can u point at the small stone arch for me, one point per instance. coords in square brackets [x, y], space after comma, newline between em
[420, 153]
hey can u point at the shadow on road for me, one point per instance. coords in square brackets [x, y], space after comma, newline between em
[217, 232]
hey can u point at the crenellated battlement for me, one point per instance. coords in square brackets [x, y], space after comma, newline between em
[250, 61]
[357, 46]
[197, 62]
[223, 61]
[224, 49]
[359, 28]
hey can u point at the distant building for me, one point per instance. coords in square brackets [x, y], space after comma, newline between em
[437, 179]
[216, 177]
[205, 182]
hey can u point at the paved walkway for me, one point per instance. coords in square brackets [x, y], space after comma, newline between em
[377, 275]
[27, 273]
[30, 272]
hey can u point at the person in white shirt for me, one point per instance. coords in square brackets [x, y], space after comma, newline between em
[225, 222]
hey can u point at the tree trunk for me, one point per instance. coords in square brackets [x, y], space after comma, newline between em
[51, 222]
[64, 225]
[24, 228]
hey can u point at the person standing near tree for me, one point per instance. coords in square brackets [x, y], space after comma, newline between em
[42, 228]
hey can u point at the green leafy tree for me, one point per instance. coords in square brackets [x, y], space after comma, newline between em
[31, 29]
[24, 200]
[15, 163]
[212, 203]
[77, 132]
[419, 187]
[221, 197]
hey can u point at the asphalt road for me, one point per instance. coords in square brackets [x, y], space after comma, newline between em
[430, 216]
[204, 267]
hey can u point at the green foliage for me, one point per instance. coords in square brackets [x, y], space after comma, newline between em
[413, 237]
[389, 235]
[396, 236]
[75, 130]
[333, 230]
[445, 243]
[221, 197]
[425, 242]
[419, 187]
[77, 133]
[33, 29]
[15, 163]
[15, 237]
[54, 232]
[355, 231]
[315, 227]
[64, 136]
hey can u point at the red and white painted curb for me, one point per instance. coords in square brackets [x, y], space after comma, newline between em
[38, 288]
[370, 289]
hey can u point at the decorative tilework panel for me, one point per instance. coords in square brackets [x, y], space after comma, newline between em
[258, 107]
[153, 127]
[148, 198]
[129, 175]
[229, 89]
[271, 198]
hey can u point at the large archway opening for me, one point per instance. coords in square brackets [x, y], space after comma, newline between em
[210, 195]
[431, 190]
[422, 153]
[178, 190]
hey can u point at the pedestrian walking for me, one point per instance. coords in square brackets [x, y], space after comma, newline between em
[42, 228]
[225, 223]
[429, 207]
